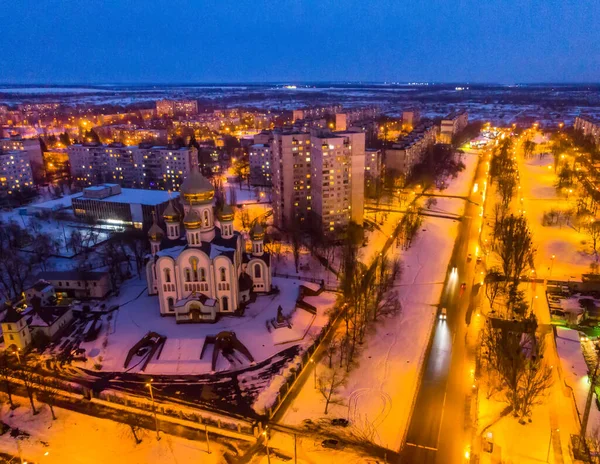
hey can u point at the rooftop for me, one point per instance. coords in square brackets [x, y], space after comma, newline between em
[140, 196]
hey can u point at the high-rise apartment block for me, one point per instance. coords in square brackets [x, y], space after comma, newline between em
[176, 107]
[453, 124]
[318, 178]
[144, 166]
[260, 159]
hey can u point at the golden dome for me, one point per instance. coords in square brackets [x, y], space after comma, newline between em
[196, 188]
[155, 233]
[192, 220]
[170, 214]
[257, 232]
[226, 213]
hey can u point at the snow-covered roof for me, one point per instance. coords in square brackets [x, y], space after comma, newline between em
[139, 196]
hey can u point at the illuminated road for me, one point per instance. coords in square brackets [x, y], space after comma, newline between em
[436, 433]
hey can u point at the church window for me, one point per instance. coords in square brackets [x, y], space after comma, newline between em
[187, 275]
[223, 275]
[170, 303]
[206, 218]
[167, 275]
[202, 274]
[257, 271]
[225, 304]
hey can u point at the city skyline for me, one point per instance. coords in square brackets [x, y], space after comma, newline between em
[301, 42]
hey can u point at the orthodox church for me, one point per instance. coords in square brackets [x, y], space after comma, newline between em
[202, 271]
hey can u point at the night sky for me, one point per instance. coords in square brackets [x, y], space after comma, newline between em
[175, 41]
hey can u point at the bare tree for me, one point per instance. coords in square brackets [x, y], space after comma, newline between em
[48, 392]
[29, 379]
[6, 372]
[329, 382]
[593, 231]
[493, 284]
[515, 246]
[134, 427]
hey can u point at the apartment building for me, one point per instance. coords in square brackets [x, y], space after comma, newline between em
[291, 177]
[315, 112]
[588, 126]
[338, 182]
[373, 164]
[145, 166]
[453, 124]
[34, 153]
[176, 107]
[15, 171]
[411, 149]
[410, 118]
[260, 159]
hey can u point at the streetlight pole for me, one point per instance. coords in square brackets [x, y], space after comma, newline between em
[149, 385]
[314, 372]
[266, 435]
[551, 265]
[207, 441]
[17, 351]
[550, 444]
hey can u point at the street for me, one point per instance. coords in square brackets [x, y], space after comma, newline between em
[437, 429]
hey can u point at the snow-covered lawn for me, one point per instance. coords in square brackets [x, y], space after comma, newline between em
[572, 249]
[575, 372]
[139, 313]
[382, 387]
[78, 438]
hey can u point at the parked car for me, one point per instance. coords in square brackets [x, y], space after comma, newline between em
[340, 422]
[331, 444]
[478, 260]
[469, 257]
[443, 314]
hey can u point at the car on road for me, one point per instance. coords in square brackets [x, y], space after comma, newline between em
[478, 260]
[340, 422]
[469, 257]
[443, 314]
[331, 444]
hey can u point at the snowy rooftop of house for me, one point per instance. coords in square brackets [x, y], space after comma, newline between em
[140, 196]
[59, 203]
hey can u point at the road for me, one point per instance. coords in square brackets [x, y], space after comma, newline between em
[436, 433]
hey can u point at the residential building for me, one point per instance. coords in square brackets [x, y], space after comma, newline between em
[410, 150]
[15, 330]
[341, 121]
[144, 166]
[260, 159]
[373, 166]
[453, 124]
[111, 204]
[589, 127]
[15, 171]
[176, 107]
[338, 169]
[34, 153]
[79, 284]
[42, 290]
[291, 177]
[410, 118]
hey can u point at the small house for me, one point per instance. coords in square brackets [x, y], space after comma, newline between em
[79, 284]
[43, 290]
[15, 329]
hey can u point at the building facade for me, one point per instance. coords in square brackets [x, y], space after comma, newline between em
[453, 124]
[176, 107]
[260, 159]
[410, 150]
[589, 127]
[33, 149]
[15, 171]
[199, 267]
[144, 166]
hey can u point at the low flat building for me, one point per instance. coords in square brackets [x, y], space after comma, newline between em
[79, 284]
[111, 204]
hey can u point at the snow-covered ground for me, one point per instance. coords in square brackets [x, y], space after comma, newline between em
[139, 313]
[78, 438]
[572, 249]
[575, 371]
[378, 394]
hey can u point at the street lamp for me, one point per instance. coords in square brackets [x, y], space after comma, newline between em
[149, 385]
[551, 265]
[266, 435]
[17, 351]
[550, 443]
[314, 372]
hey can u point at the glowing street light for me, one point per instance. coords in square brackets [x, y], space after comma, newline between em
[149, 385]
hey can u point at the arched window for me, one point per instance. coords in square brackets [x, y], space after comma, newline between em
[206, 218]
[224, 304]
[170, 303]
[194, 262]
[167, 275]
[187, 274]
[257, 271]
[202, 274]
[223, 274]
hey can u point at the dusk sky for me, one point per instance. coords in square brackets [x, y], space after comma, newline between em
[176, 41]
